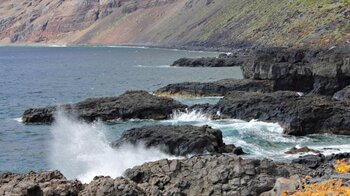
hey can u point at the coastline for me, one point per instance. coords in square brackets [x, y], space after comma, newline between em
[126, 45]
[250, 175]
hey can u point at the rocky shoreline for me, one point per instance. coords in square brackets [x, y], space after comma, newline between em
[203, 175]
[305, 91]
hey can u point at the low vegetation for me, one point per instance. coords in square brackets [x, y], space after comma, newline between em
[331, 187]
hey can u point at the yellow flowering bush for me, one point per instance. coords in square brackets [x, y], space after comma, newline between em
[332, 187]
[342, 167]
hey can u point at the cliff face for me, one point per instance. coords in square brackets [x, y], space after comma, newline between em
[209, 23]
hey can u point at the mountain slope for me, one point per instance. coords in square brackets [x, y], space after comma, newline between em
[208, 23]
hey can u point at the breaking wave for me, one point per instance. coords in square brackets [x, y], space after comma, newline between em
[80, 150]
[263, 139]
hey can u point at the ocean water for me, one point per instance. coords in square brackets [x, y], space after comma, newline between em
[41, 76]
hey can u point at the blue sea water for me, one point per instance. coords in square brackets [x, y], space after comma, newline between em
[41, 76]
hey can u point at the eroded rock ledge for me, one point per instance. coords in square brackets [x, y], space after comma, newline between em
[132, 104]
[222, 61]
[217, 88]
[298, 115]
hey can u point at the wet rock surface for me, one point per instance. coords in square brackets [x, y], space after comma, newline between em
[298, 115]
[221, 61]
[178, 140]
[217, 88]
[132, 104]
[46, 183]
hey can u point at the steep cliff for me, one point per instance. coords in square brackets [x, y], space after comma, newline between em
[208, 23]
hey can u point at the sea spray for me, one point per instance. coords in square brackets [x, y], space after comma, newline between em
[189, 116]
[80, 150]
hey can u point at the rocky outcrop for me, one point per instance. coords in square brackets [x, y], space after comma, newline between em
[217, 88]
[298, 115]
[211, 175]
[343, 95]
[132, 104]
[178, 140]
[287, 68]
[46, 183]
[331, 69]
[323, 71]
[222, 61]
[107, 186]
[314, 161]
[322, 166]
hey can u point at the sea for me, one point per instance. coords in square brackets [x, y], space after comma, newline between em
[43, 76]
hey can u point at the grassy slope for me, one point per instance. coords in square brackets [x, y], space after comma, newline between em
[236, 22]
[219, 23]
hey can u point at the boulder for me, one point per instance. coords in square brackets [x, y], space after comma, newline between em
[343, 95]
[297, 114]
[211, 175]
[46, 183]
[178, 140]
[217, 88]
[131, 104]
[286, 186]
[310, 161]
[304, 149]
[222, 61]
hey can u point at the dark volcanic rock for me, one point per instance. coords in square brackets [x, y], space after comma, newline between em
[287, 68]
[210, 62]
[46, 183]
[319, 71]
[132, 104]
[211, 175]
[331, 69]
[108, 186]
[343, 95]
[198, 175]
[178, 140]
[310, 161]
[217, 88]
[323, 166]
[304, 149]
[298, 115]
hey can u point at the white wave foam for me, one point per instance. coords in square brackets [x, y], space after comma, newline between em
[126, 46]
[81, 151]
[189, 116]
[18, 119]
[155, 66]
